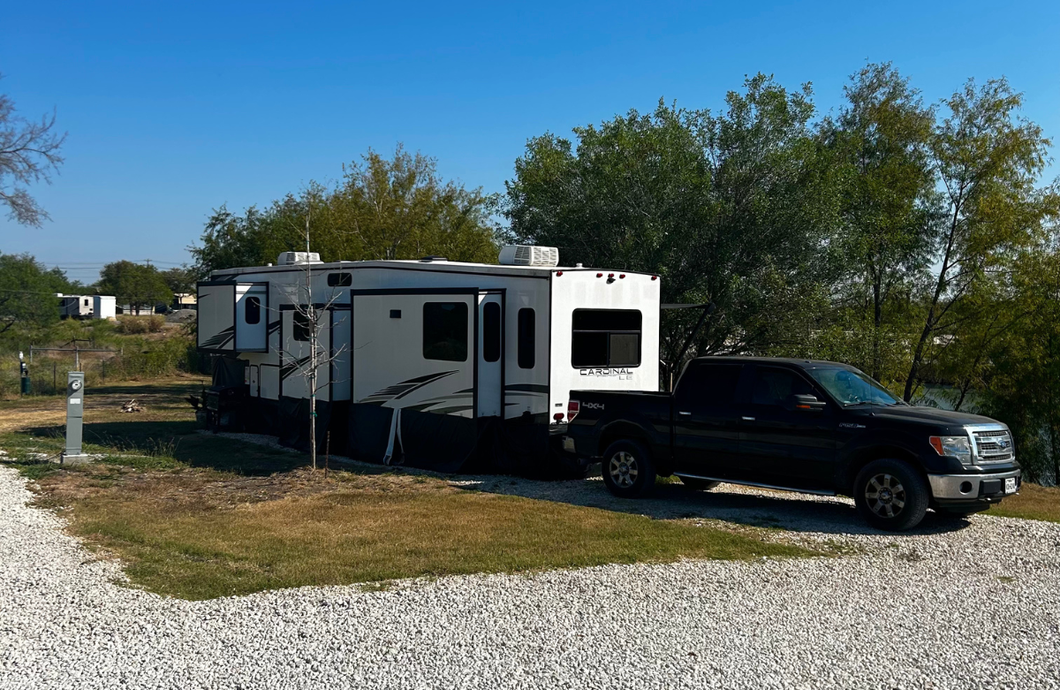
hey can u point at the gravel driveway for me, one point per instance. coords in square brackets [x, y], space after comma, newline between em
[957, 605]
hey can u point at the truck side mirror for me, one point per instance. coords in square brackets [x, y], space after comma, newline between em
[805, 403]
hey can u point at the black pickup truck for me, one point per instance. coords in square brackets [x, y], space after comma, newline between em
[810, 426]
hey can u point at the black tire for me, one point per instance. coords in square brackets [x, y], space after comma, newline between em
[628, 469]
[697, 484]
[891, 495]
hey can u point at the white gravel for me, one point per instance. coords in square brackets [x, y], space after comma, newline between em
[957, 605]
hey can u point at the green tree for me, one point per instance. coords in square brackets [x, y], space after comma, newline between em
[136, 285]
[881, 138]
[1021, 384]
[179, 280]
[734, 209]
[28, 292]
[396, 208]
[988, 161]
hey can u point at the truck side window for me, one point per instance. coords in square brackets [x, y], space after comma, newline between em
[709, 384]
[774, 386]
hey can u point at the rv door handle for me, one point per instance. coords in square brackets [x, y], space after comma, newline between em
[747, 419]
[684, 414]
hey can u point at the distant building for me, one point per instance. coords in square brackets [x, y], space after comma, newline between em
[184, 300]
[86, 306]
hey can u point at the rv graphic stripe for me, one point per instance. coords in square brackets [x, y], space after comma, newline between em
[430, 408]
[293, 366]
[531, 387]
[221, 339]
[400, 390]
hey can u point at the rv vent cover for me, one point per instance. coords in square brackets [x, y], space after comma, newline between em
[293, 258]
[527, 255]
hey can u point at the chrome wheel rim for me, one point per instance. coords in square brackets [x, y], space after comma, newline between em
[885, 495]
[623, 469]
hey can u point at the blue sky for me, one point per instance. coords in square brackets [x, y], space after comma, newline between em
[175, 109]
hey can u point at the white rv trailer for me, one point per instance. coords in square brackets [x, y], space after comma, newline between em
[104, 307]
[75, 306]
[86, 306]
[446, 362]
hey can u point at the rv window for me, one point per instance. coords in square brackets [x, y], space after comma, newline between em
[301, 327]
[445, 331]
[526, 338]
[491, 332]
[252, 311]
[606, 338]
[340, 279]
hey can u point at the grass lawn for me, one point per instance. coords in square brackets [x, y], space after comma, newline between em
[198, 516]
[1033, 503]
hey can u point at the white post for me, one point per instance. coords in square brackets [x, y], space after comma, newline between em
[311, 313]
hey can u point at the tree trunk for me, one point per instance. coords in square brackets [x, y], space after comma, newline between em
[877, 321]
[918, 356]
[940, 285]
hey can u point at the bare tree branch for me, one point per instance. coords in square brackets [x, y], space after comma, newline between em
[29, 153]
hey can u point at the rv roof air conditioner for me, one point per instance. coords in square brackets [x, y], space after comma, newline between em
[295, 258]
[528, 255]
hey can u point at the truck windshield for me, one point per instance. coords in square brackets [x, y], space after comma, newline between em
[851, 387]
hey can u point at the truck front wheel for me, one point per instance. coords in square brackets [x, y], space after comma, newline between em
[628, 469]
[891, 495]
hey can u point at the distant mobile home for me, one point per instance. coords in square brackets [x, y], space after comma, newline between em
[433, 363]
[86, 306]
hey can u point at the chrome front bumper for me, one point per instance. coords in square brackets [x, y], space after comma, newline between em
[966, 486]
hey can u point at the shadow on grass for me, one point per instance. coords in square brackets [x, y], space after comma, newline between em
[182, 441]
[174, 389]
[672, 500]
[788, 511]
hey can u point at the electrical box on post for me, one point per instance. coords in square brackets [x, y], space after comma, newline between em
[75, 414]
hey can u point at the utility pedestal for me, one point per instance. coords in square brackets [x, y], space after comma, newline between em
[75, 406]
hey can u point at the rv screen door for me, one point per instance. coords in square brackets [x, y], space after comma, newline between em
[490, 354]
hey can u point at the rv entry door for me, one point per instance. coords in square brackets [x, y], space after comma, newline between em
[490, 354]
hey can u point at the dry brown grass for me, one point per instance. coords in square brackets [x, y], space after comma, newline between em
[199, 534]
[1033, 503]
[198, 516]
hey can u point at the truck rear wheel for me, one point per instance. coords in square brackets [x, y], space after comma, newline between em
[891, 495]
[628, 469]
[697, 484]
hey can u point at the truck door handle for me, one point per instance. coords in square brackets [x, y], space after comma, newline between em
[684, 414]
[747, 419]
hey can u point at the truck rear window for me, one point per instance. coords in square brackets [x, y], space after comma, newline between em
[606, 338]
[709, 384]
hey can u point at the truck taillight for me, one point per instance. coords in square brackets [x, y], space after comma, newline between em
[572, 409]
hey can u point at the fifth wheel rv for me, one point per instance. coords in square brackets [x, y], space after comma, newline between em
[432, 363]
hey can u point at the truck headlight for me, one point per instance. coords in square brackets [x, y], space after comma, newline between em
[957, 446]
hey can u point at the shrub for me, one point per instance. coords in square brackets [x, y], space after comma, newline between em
[133, 325]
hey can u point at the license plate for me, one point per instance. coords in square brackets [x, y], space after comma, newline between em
[1010, 485]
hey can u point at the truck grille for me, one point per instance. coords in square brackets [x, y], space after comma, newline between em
[994, 446]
